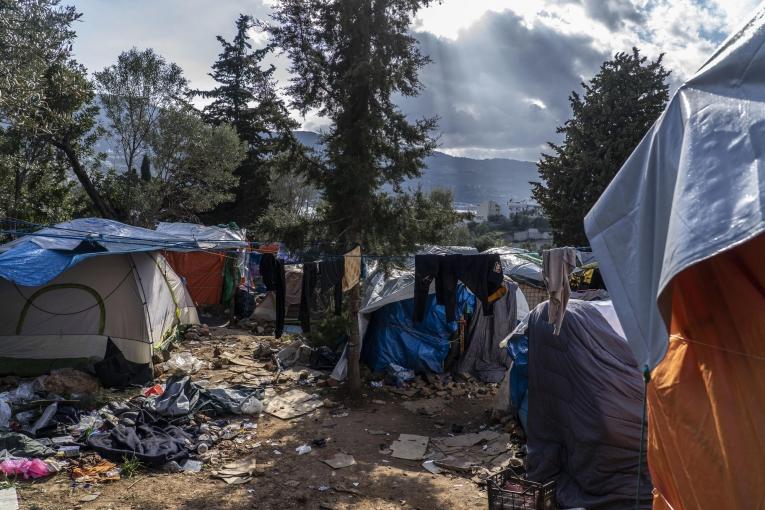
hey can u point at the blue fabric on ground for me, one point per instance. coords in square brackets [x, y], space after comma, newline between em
[392, 336]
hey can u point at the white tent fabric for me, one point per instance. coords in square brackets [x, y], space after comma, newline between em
[135, 299]
[692, 189]
[208, 238]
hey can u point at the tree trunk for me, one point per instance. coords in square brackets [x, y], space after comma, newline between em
[354, 345]
[103, 207]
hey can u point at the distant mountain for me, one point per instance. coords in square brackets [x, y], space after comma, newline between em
[471, 180]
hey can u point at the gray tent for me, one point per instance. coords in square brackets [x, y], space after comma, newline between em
[585, 409]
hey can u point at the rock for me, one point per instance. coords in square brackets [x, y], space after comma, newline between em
[217, 352]
[260, 330]
[329, 404]
[204, 330]
[303, 375]
[442, 393]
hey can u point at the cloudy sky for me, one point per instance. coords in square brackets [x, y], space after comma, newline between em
[502, 69]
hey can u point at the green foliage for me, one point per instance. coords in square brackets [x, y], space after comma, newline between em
[349, 59]
[130, 467]
[133, 94]
[618, 106]
[193, 171]
[36, 186]
[45, 95]
[246, 97]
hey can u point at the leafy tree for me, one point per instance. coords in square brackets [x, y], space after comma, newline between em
[36, 186]
[619, 105]
[133, 93]
[193, 171]
[349, 59]
[246, 98]
[44, 93]
[146, 169]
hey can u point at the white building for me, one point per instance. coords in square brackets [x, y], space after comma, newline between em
[486, 210]
[523, 207]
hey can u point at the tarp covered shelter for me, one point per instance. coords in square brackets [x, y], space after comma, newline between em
[585, 403]
[395, 287]
[679, 238]
[67, 289]
[203, 269]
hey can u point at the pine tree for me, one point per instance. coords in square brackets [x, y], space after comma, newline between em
[349, 59]
[619, 105]
[246, 98]
[145, 169]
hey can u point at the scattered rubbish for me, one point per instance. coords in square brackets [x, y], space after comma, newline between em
[19, 445]
[94, 469]
[183, 363]
[68, 451]
[191, 466]
[341, 415]
[9, 500]
[277, 452]
[319, 443]
[427, 407]
[376, 384]
[292, 404]
[374, 432]
[399, 374]
[430, 465]
[202, 448]
[238, 472]
[340, 460]
[324, 488]
[155, 390]
[44, 418]
[89, 497]
[5, 414]
[410, 447]
[172, 467]
[88, 422]
[379, 402]
[355, 484]
[303, 449]
[62, 440]
[27, 468]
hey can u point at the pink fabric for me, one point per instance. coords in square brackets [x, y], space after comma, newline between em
[28, 468]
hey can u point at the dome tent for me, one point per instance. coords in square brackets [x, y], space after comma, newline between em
[66, 291]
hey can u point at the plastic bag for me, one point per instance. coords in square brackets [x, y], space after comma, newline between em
[34, 468]
[251, 405]
[5, 414]
[183, 363]
[400, 374]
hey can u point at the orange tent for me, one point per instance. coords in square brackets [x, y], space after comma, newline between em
[203, 273]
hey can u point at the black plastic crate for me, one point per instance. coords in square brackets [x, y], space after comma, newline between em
[510, 490]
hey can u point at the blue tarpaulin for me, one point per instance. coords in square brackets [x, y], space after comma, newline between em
[38, 258]
[393, 337]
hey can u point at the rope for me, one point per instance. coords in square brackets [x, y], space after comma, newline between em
[643, 426]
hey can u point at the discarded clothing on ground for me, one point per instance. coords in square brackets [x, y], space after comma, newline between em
[180, 398]
[585, 405]
[115, 371]
[237, 400]
[27, 468]
[19, 445]
[94, 469]
[153, 441]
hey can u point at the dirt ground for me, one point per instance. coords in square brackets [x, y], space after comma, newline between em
[286, 479]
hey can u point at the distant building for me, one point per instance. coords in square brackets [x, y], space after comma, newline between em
[488, 209]
[523, 207]
[533, 237]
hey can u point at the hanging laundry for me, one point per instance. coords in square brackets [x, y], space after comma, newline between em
[557, 266]
[272, 272]
[310, 278]
[352, 261]
[481, 274]
[331, 273]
